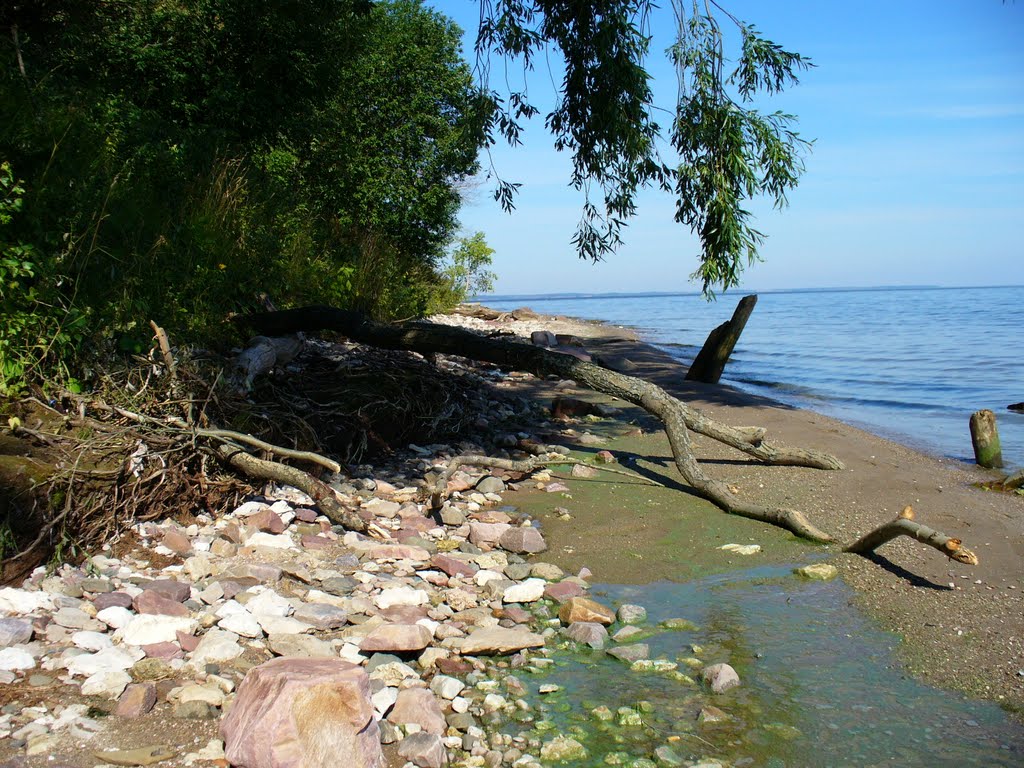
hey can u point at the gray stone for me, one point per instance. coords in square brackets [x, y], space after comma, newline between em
[195, 710]
[490, 484]
[591, 633]
[517, 571]
[301, 646]
[15, 632]
[522, 539]
[720, 677]
[631, 653]
[453, 516]
[425, 750]
[631, 614]
[321, 615]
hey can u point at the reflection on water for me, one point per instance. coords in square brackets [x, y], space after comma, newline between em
[821, 686]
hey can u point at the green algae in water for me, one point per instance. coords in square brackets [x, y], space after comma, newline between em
[820, 686]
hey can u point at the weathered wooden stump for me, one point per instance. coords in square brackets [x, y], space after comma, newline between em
[710, 361]
[985, 437]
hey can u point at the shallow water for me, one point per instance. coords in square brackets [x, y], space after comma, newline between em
[820, 684]
[911, 364]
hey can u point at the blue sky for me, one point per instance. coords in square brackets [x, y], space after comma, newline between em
[916, 175]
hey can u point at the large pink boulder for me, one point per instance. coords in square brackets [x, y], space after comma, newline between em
[303, 713]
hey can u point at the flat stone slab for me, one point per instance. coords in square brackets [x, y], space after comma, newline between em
[500, 640]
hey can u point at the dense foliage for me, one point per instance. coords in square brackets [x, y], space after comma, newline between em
[174, 159]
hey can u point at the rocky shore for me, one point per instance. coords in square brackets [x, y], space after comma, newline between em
[268, 637]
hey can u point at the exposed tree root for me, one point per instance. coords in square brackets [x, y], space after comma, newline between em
[677, 418]
[904, 525]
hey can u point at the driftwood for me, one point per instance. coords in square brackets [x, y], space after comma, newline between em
[264, 354]
[321, 493]
[904, 525]
[710, 362]
[985, 439]
[677, 417]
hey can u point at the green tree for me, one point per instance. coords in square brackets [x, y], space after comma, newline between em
[723, 150]
[465, 273]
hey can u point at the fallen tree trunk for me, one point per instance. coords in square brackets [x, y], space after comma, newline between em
[677, 418]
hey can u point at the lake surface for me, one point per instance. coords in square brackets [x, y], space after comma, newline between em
[910, 364]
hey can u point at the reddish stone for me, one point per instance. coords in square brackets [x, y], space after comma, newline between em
[137, 700]
[303, 713]
[266, 520]
[453, 667]
[165, 651]
[563, 590]
[176, 542]
[516, 614]
[187, 642]
[486, 534]
[232, 533]
[405, 614]
[111, 600]
[397, 637]
[305, 514]
[178, 591]
[398, 552]
[418, 523]
[149, 601]
[452, 565]
[605, 457]
[309, 541]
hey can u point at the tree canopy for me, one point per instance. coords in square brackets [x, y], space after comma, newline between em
[722, 151]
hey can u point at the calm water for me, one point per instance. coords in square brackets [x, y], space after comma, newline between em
[821, 686]
[910, 364]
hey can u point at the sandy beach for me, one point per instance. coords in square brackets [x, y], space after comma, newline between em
[963, 627]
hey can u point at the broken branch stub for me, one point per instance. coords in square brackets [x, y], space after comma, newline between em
[905, 525]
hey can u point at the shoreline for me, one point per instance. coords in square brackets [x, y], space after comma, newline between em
[952, 618]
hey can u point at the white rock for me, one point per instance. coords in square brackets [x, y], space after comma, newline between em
[270, 540]
[115, 616]
[742, 549]
[250, 508]
[484, 575]
[146, 629]
[91, 641]
[269, 603]
[400, 596]
[107, 682]
[447, 687]
[282, 625]
[244, 624]
[87, 665]
[383, 700]
[19, 601]
[350, 653]
[529, 591]
[13, 659]
[230, 608]
[460, 704]
[493, 702]
[217, 646]
[210, 693]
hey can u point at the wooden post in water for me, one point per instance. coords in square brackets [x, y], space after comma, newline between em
[985, 437]
[710, 361]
